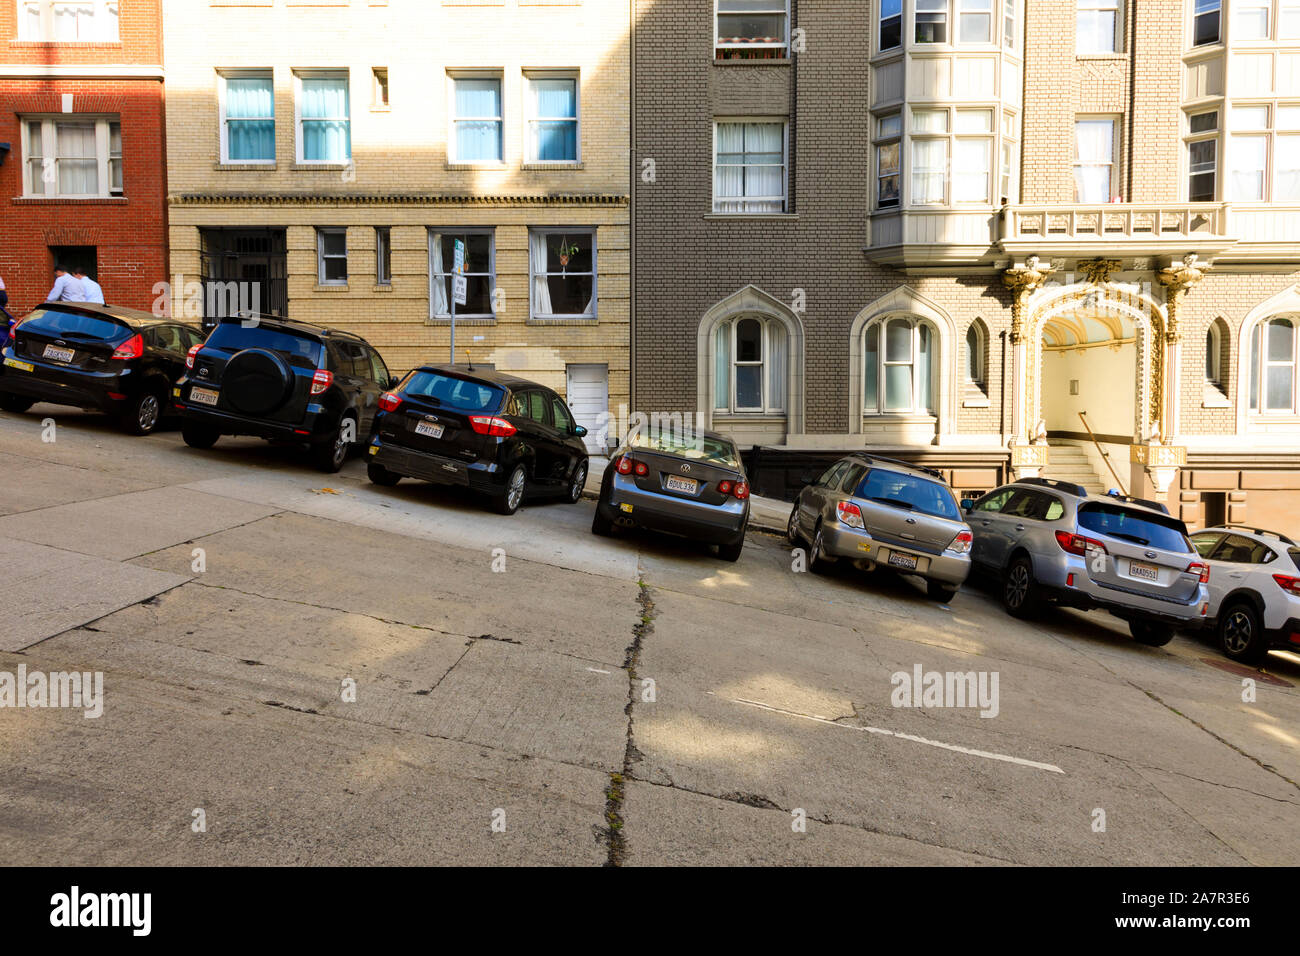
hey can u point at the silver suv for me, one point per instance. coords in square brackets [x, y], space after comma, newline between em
[1254, 590]
[887, 514]
[1052, 541]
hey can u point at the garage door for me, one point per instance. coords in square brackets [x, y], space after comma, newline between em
[588, 396]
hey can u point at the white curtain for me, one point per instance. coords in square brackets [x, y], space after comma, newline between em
[970, 181]
[1094, 152]
[441, 306]
[541, 290]
[764, 152]
[729, 175]
[1248, 155]
[929, 165]
[776, 366]
[722, 367]
[1286, 160]
[78, 165]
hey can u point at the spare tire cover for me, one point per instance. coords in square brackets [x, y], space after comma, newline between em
[256, 382]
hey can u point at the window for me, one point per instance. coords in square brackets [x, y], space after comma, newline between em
[1009, 181]
[1213, 355]
[1094, 160]
[379, 91]
[477, 120]
[248, 118]
[1255, 147]
[75, 157]
[971, 155]
[332, 256]
[750, 358]
[1250, 19]
[749, 167]
[1096, 26]
[1288, 20]
[383, 255]
[560, 416]
[751, 29]
[480, 273]
[563, 269]
[929, 156]
[58, 21]
[1273, 366]
[975, 355]
[324, 124]
[891, 24]
[1205, 22]
[931, 21]
[899, 364]
[552, 119]
[889, 130]
[1009, 24]
[975, 21]
[1202, 156]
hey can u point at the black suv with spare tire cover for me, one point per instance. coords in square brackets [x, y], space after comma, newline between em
[282, 380]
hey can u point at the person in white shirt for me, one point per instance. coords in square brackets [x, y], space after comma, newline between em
[94, 293]
[67, 288]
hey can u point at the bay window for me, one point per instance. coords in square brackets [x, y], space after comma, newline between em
[562, 265]
[931, 21]
[891, 24]
[1273, 363]
[749, 169]
[750, 357]
[1264, 155]
[76, 157]
[1202, 156]
[889, 130]
[975, 21]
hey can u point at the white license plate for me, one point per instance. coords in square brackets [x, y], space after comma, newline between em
[905, 561]
[685, 485]
[57, 354]
[24, 366]
[1148, 572]
[203, 396]
[429, 429]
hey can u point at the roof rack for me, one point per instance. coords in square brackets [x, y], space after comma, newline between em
[1069, 487]
[1265, 531]
[905, 464]
[1133, 500]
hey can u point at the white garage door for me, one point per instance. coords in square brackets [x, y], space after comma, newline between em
[588, 396]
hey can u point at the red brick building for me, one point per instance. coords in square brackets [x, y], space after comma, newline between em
[83, 180]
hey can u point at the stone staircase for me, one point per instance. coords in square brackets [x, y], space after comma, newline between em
[1071, 463]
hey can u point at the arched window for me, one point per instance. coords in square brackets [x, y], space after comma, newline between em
[1273, 361]
[1212, 347]
[750, 357]
[976, 372]
[898, 364]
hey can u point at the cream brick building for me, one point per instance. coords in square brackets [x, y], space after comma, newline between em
[332, 151]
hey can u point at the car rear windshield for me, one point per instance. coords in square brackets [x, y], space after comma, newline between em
[1140, 527]
[301, 350]
[453, 392]
[909, 492]
[58, 322]
[1294, 555]
[713, 451]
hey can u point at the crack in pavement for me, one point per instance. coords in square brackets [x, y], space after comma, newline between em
[616, 840]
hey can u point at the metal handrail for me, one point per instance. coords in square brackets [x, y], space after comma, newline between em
[1101, 451]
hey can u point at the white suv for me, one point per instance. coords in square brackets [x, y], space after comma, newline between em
[1254, 590]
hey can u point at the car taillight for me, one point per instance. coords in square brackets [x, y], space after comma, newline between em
[13, 329]
[623, 465]
[1287, 583]
[1078, 544]
[961, 544]
[321, 380]
[131, 348]
[491, 425]
[189, 356]
[724, 487]
[740, 490]
[1199, 569]
[850, 514]
[389, 401]
[641, 468]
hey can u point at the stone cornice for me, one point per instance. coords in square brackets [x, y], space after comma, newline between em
[392, 199]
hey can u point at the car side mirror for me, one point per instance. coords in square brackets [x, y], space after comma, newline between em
[392, 382]
[967, 504]
[580, 431]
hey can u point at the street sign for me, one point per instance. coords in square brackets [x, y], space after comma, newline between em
[458, 284]
[458, 289]
[458, 265]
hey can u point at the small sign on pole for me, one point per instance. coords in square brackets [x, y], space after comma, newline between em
[458, 289]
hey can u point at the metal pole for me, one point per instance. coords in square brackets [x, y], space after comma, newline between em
[453, 322]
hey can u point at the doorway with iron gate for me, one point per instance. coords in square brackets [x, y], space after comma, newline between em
[243, 270]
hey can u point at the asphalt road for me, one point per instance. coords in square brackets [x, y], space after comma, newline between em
[526, 693]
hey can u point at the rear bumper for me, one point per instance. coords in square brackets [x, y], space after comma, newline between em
[316, 424]
[1066, 578]
[841, 541]
[714, 524]
[64, 386]
[410, 463]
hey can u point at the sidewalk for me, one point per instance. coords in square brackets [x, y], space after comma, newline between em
[765, 514]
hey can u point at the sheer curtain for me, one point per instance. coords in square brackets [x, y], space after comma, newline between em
[1248, 156]
[722, 367]
[478, 122]
[1094, 152]
[78, 165]
[929, 164]
[729, 174]
[555, 129]
[776, 366]
[438, 291]
[325, 129]
[764, 166]
[250, 119]
[1286, 160]
[541, 287]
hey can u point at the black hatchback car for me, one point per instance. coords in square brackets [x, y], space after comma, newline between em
[503, 436]
[283, 381]
[105, 357]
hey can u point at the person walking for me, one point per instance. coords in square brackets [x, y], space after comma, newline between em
[94, 293]
[67, 288]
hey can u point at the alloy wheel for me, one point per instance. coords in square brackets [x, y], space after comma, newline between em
[579, 483]
[148, 414]
[515, 493]
[1238, 630]
[1017, 586]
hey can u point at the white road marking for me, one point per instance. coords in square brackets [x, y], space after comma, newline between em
[1006, 758]
[597, 670]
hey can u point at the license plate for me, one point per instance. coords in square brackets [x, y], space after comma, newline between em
[905, 561]
[203, 396]
[1148, 572]
[57, 354]
[685, 485]
[22, 366]
[429, 429]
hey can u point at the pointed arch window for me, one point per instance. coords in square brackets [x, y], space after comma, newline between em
[750, 358]
[899, 366]
[1273, 364]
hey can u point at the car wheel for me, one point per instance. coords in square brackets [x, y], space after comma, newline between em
[379, 475]
[328, 456]
[578, 483]
[508, 502]
[600, 525]
[199, 436]
[143, 413]
[938, 591]
[792, 526]
[1151, 633]
[1019, 590]
[731, 550]
[1241, 634]
[15, 403]
[818, 562]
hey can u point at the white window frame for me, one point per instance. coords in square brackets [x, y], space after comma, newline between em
[1258, 366]
[980, 353]
[50, 159]
[1010, 24]
[970, 10]
[1112, 165]
[940, 7]
[770, 405]
[781, 7]
[530, 116]
[1238, 7]
[557, 232]
[298, 76]
[785, 168]
[491, 274]
[884, 139]
[452, 118]
[321, 233]
[877, 407]
[223, 124]
[1117, 29]
[106, 14]
[952, 137]
[1273, 130]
